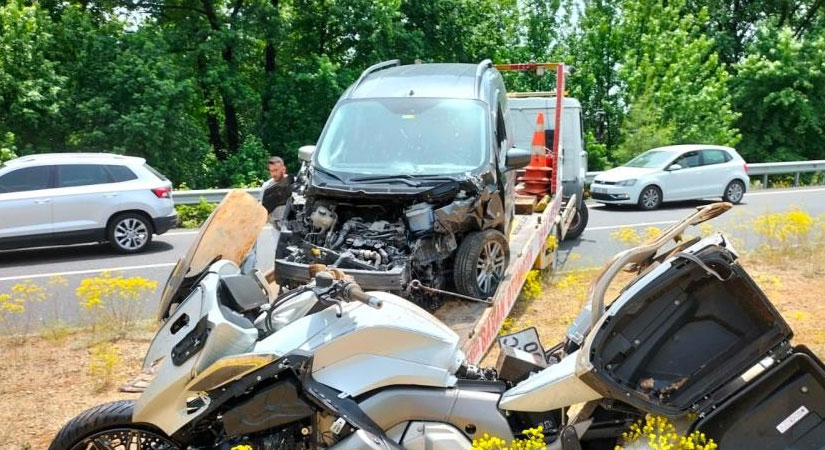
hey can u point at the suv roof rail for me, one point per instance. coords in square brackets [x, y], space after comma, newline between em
[371, 69]
[480, 69]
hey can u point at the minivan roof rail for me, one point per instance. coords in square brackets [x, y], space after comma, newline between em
[480, 69]
[371, 69]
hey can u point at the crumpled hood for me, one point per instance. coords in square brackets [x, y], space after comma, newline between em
[622, 173]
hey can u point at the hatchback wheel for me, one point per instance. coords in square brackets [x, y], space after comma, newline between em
[129, 233]
[650, 198]
[734, 192]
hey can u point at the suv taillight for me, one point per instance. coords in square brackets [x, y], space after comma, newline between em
[164, 192]
[746, 168]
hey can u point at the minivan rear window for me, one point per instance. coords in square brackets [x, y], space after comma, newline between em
[155, 172]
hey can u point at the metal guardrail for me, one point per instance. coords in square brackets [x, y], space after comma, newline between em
[765, 169]
[210, 195]
[754, 170]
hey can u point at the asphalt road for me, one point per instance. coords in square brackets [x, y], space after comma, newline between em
[596, 245]
[593, 248]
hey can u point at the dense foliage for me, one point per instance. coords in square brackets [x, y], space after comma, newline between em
[206, 90]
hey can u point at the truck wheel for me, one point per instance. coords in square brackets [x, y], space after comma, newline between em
[480, 263]
[129, 233]
[109, 426]
[579, 223]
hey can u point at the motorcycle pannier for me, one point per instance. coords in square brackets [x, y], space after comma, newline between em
[685, 335]
[782, 409]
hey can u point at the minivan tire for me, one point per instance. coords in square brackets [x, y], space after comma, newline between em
[129, 233]
[485, 251]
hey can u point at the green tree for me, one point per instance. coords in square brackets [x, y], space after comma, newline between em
[673, 66]
[32, 90]
[780, 91]
[597, 51]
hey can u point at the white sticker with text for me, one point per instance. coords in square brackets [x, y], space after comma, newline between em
[795, 417]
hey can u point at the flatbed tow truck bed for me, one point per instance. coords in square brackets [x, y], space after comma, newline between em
[532, 243]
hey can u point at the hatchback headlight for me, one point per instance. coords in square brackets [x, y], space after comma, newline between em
[626, 182]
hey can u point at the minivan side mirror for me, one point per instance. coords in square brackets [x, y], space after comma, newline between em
[516, 158]
[674, 167]
[305, 152]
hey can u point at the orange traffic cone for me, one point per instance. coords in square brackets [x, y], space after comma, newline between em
[537, 177]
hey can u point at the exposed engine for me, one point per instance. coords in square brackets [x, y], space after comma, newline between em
[390, 242]
[356, 238]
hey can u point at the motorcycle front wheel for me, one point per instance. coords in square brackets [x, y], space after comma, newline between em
[109, 426]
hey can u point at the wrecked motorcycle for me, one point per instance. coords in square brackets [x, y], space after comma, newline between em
[328, 365]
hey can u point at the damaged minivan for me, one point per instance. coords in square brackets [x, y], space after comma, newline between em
[410, 188]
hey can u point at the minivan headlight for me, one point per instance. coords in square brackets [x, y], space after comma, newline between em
[626, 182]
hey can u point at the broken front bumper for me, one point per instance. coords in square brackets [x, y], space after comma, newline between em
[369, 280]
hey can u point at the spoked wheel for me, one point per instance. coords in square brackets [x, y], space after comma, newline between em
[125, 439]
[491, 265]
[129, 233]
[734, 192]
[650, 198]
[480, 263]
[109, 427]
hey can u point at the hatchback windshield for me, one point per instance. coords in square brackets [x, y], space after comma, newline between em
[416, 136]
[650, 159]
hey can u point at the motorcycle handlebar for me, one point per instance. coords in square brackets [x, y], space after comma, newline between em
[354, 292]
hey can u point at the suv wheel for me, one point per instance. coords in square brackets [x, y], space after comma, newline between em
[480, 263]
[129, 233]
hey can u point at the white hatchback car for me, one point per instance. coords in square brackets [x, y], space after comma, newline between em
[678, 172]
[69, 198]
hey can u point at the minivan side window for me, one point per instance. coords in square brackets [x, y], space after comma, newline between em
[714, 157]
[72, 175]
[26, 179]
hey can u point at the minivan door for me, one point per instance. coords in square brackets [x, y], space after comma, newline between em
[25, 206]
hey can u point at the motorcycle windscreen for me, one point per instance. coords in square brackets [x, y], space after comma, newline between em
[782, 409]
[229, 233]
[684, 335]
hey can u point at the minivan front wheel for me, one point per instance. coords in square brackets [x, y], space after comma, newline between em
[734, 192]
[129, 233]
[650, 197]
[480, 263]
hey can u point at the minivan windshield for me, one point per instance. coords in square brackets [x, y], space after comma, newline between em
[412, 136]
[651, 159]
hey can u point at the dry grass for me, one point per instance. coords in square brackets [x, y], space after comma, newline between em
[45, 382]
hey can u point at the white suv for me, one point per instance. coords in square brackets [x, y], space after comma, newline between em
[69, 198]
